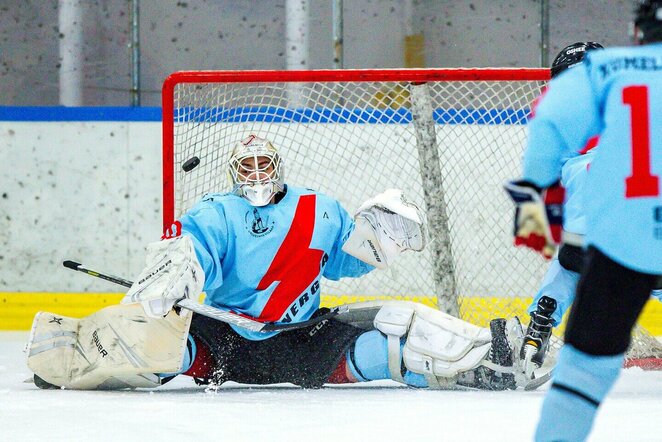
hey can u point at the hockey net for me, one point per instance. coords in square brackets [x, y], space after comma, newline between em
[448, 137]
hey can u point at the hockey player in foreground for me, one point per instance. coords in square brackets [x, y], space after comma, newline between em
[558, 287]
[616, 93]
[261, 251]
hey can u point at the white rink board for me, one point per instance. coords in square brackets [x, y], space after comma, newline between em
[87, 191]
[91, 191]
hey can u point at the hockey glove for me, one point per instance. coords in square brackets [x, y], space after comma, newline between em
[538, 216]
[172, 273]
[386, 226]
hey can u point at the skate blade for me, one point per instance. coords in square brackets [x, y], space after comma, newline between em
[529, 366]
[539, 381]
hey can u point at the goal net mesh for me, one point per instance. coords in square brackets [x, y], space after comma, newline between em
[449, 143]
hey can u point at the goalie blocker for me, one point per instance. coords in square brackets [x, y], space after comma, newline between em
[120, 347]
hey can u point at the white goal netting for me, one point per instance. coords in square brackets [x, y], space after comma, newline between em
[448, 138]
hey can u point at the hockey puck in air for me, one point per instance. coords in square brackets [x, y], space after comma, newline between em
[191, 164]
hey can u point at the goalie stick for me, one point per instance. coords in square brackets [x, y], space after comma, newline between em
[216, 313]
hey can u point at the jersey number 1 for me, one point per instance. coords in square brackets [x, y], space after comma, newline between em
[641, 183]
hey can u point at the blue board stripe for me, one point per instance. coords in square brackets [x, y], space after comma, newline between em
[267, 114]
[61, 113]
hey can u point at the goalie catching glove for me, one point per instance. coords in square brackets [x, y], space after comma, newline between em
[386, 226]
[172, 273]
[538, 216]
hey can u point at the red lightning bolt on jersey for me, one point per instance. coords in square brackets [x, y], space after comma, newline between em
[295, 265]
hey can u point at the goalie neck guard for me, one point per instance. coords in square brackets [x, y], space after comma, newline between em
[255, 170]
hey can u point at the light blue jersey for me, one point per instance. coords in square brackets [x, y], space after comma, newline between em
[617, 93]
[267, 262]
[560, 283]
[573, 179]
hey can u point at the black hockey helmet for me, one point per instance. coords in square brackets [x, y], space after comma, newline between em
[648, 21]
[572, 55]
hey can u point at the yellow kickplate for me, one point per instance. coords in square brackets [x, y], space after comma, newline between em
[18, 309]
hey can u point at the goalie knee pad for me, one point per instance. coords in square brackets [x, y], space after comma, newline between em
[437, 345]
[117, 347]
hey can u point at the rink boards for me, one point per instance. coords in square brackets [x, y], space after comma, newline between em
[105, 205]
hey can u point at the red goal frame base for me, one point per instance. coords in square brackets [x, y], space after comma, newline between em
[647, 364]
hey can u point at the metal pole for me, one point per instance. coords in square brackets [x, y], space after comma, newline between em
[445, 284]
[544, 33]
[338, 28]
[135, 52]
[297, 42]
[297, 35]
[70, 22]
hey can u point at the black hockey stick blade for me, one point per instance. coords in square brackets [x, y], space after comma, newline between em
[71, 264]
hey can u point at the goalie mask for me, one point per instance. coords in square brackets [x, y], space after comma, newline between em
[256, 170]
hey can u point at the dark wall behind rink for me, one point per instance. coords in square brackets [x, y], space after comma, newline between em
[237, 34]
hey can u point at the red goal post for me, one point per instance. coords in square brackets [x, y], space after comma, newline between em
[448, 137]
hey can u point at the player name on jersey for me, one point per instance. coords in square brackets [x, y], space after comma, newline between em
[616, 65]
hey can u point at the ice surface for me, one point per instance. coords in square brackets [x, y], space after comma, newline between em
[182, 411]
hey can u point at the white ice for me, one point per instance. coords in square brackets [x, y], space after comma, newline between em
[379, 412]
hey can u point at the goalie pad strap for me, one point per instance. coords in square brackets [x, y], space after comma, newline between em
[395, 359]
[498, 368]
[394, 322]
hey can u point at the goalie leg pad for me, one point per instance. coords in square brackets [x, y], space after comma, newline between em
[437, 345]
[116, 347]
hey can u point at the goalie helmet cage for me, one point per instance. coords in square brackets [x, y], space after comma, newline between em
[448, 137]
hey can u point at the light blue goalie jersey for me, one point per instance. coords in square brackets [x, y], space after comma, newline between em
[616, 93]
[267, 262]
